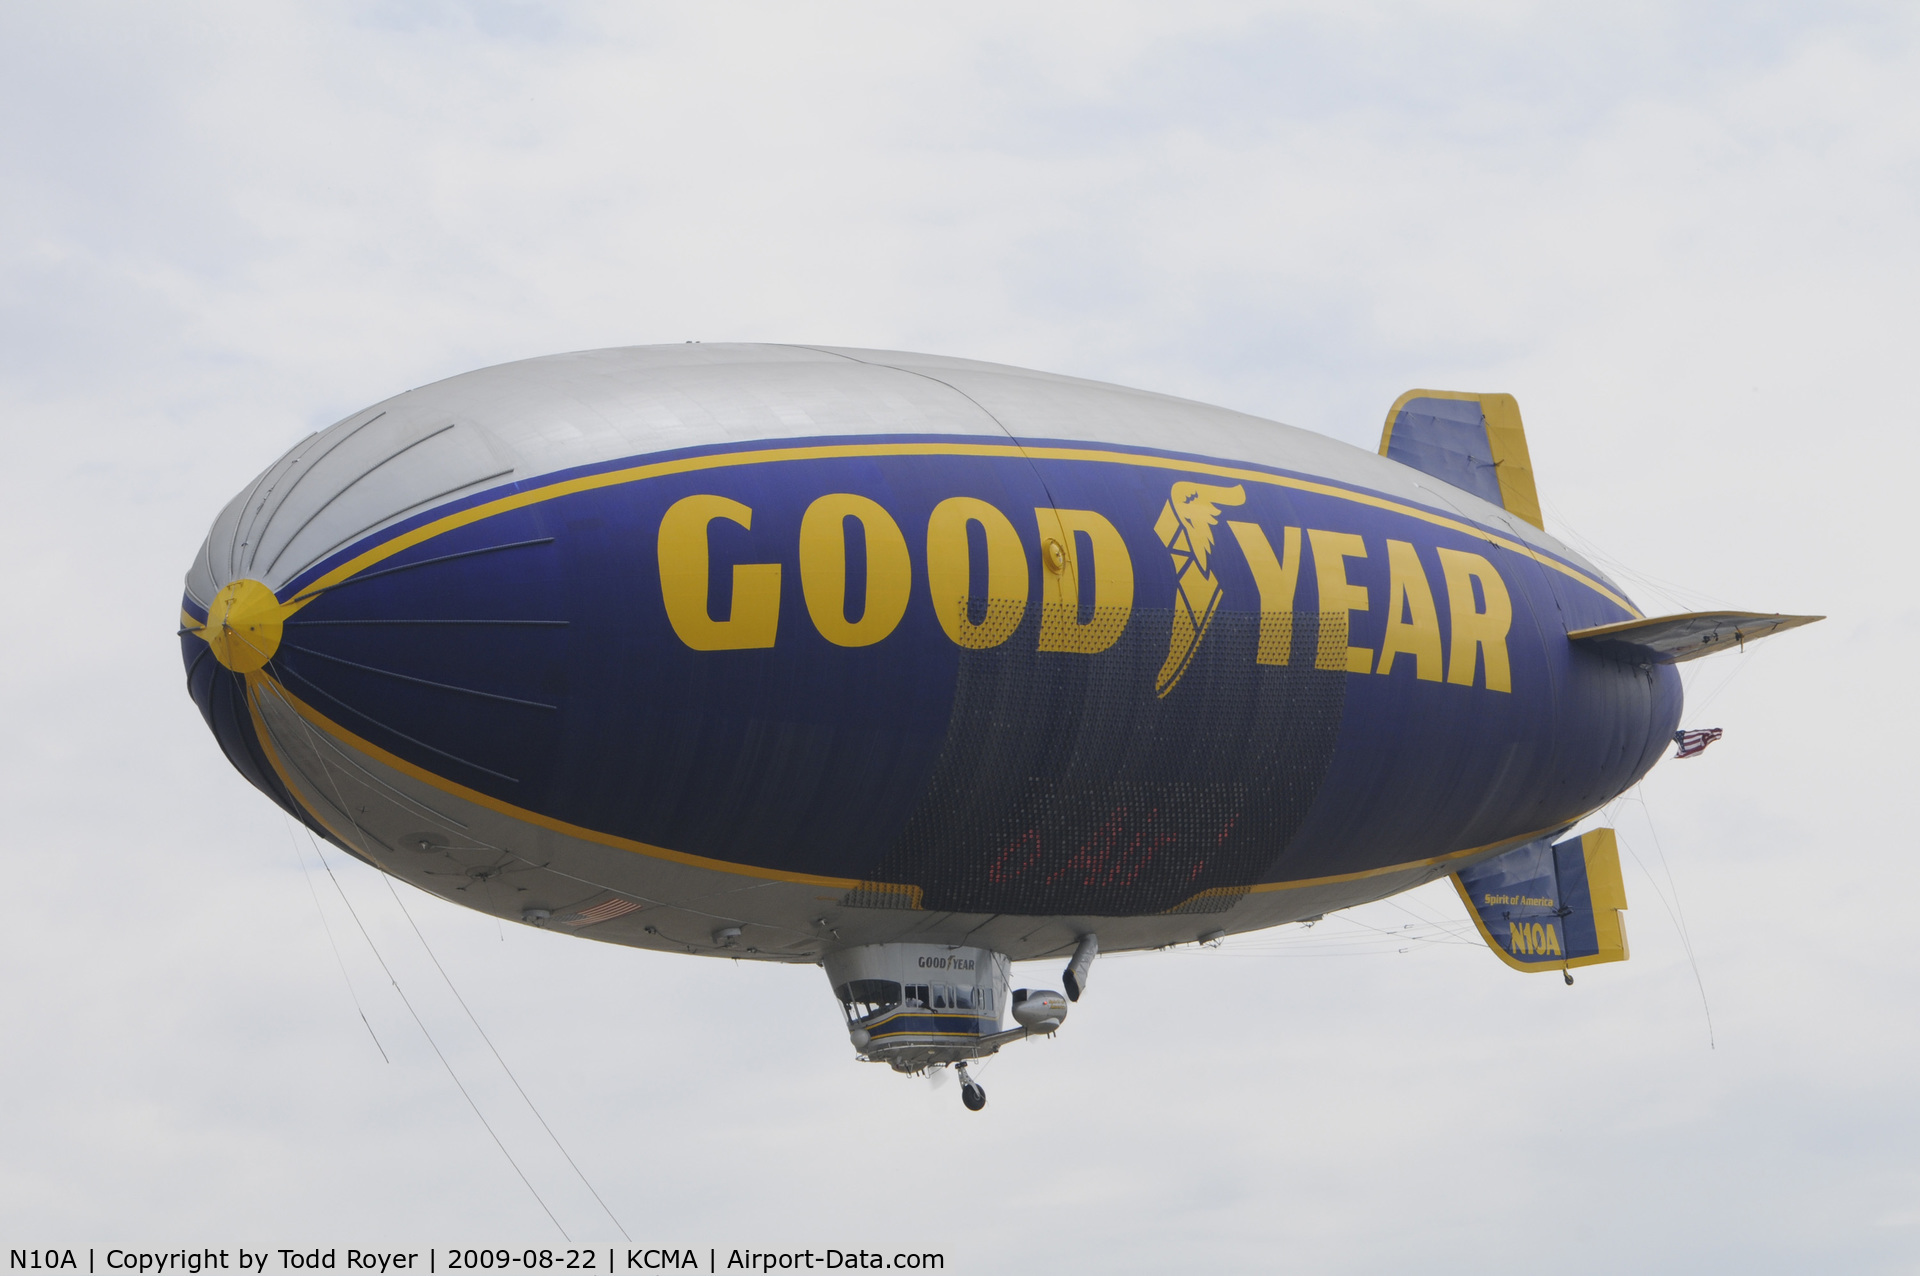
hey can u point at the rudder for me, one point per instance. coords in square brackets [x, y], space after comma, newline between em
[1550, 906]
[1473, 441]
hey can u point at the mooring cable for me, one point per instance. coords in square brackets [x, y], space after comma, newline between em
[307, 873]
[340, 803]
[497, 1059]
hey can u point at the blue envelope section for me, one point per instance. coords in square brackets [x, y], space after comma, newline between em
[1549, 906]
[524, 652]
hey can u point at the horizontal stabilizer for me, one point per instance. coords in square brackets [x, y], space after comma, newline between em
[1667, 640]
[1547, 906]
[1473, 441]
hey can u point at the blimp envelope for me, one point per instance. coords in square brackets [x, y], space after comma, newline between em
[775, 650]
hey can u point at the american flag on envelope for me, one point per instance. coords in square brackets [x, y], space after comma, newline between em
[1694, 743]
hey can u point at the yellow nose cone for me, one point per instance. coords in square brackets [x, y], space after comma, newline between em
[243, 625]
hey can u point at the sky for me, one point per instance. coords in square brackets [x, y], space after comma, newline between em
[1684, 236]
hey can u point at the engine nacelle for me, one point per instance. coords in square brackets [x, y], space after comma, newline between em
[1039, 1010]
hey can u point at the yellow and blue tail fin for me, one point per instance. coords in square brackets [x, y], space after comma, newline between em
[1473, 441]
[1550, 906]
[1667, 640]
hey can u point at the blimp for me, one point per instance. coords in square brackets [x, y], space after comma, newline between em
[915, 668]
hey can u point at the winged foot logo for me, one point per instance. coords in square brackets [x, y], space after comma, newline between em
[1185, 527]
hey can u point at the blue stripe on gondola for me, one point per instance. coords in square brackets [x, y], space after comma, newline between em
[909, 1025]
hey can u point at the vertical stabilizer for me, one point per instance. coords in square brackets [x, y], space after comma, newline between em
[1473, 441]
[1548, 906]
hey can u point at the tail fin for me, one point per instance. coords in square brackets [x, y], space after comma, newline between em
[1668, 640]
[1545, 906]
[1473, 441]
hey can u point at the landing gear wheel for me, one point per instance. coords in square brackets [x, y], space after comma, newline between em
[970, 1092]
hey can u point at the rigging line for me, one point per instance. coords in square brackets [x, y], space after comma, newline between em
[1685, 943]
[278, 471]
[1262, 943]
[544, 624]
[1445, 927]
[1402, 934]
[1381, 946]
[1686, 934]
[984, 410]
[436, 1045]
[326, 504]
[307, 873]
[1646, 813]
[1676, 592]
[311, 466]
[644, 900]
[1611, 811]
[419, 682]
[239, 520]
[1567, 534]
[1286, 946]
[1698, 982]
[1739, 668]
[396, 796]
[206, 556]
[285, 670]
[496, 1054]
[1405, 901]
[351, 537]
[407, 567]
[340, 803]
